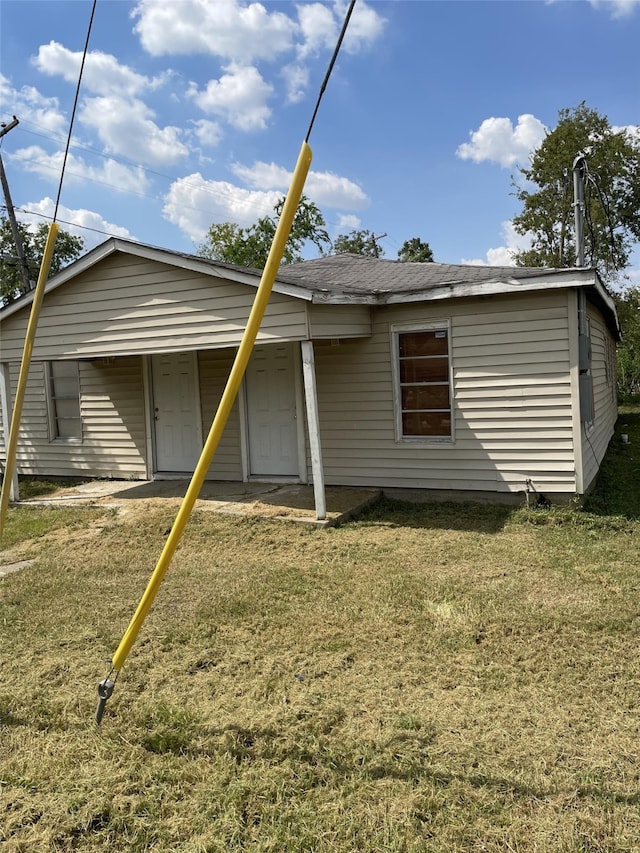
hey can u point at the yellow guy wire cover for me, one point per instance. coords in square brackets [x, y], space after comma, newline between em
[233, 384]
[14, 431]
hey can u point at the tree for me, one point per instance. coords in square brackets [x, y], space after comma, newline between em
[358, 243]
[67, 248]
[415, 251]
[249, 247]
[628, 308]
[612, 194]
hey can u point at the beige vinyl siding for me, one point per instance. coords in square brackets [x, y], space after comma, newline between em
[512, 404]
[213, 369]
[126, 305]
[597, 437]
[113, 424]
[339, 321]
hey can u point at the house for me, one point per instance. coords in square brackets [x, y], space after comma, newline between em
[366, 372]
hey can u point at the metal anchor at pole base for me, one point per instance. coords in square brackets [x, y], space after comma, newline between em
[105, 689]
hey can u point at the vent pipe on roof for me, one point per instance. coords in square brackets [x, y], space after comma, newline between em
[579, 170]
[584, 342]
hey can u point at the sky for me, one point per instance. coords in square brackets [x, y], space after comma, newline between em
[192, 112]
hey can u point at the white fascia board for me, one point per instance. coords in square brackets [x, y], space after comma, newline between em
[494, 288]
[553, 281]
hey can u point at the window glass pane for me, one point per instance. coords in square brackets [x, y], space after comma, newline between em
[64, 390]
[423, 343]
[60, 369]
[69, 428]
[424, 370]
[425, 384]
[426, 424]
[67, 408]
[425, 397]
[65, 387]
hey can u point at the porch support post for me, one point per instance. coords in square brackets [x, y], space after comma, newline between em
[313, 420]
[7, 414]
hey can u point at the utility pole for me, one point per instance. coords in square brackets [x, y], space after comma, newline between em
[374, 243]
[17, 239]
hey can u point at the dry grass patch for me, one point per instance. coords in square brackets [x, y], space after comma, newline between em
[435, 678]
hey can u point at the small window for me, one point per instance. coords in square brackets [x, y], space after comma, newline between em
[424, 409]
[64, 401]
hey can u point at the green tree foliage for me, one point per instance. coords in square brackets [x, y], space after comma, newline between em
[356, 242]
[612, 194]
[628, 307]
[67, 249]
[249, 247]
[415, 251]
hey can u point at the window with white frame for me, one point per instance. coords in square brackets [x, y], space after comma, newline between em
[423, 382]
[63, 399]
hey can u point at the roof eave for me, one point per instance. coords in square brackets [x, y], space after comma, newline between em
[553, 280]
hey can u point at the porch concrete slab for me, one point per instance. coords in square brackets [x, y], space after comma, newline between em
[286, 501]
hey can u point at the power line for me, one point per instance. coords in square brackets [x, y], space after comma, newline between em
[63, 221]
[75, 105]
[204, 187]
[330, 68]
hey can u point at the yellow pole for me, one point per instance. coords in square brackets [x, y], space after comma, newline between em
[14, 431]
[224, 409]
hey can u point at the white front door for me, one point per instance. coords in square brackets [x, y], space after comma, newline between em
[176, 412]
[271, 412]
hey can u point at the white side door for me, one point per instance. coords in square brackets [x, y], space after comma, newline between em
[271, 412]
[178, 441]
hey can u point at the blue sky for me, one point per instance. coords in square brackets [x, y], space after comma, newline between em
[193, 111]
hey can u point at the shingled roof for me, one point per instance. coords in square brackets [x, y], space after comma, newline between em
[357, 274]
[355, 278]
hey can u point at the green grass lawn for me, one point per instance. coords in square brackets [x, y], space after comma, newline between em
[443, 677]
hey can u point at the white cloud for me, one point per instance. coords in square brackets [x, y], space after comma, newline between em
[102, 72]
[365, 26]
[502, 256]
[633, 130]
[325, 188]
[348, 222]
[239, 96]
[227, 28]
[249, 32]
[49, 166]
[126, 127]
[208, 133]
[331, 190]
[619, 8]
[78, 221]
[29, 105]
[194, 203]
[296, 79]
[318, 26]
[497, 141]
[263, 175]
